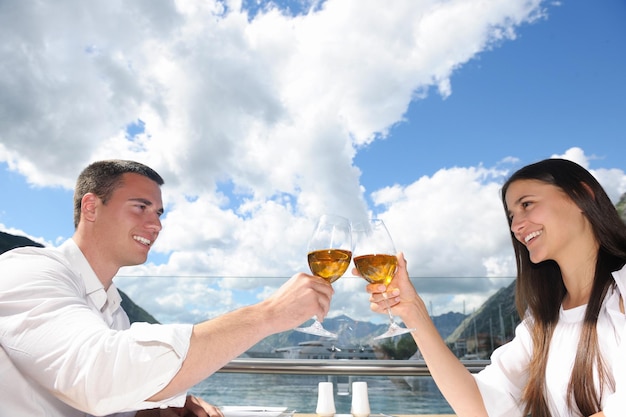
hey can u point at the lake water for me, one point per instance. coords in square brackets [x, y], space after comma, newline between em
[388, 395]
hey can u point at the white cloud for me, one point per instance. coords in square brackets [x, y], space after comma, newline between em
[613, 180]
[448, 224]
[254, 123]
[575, 154]
[225, 96]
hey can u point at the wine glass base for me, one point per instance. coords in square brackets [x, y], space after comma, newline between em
[393, 330]
[317, 329]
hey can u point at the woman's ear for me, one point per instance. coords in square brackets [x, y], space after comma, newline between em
[589, 190]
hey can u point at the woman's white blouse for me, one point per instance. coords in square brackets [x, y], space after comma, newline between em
[67, 348]
[501, 383]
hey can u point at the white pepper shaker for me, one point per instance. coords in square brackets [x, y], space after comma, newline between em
[325, 400]
[360, 400]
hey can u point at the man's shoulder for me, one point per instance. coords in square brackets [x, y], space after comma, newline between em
[32, 253]
[35, 264]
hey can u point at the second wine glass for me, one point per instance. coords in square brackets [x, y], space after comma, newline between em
[375, 259]
[329, 254]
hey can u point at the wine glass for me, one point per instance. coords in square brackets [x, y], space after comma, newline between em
[329, 254]
[375, 259]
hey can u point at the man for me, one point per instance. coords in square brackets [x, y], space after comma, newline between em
[68, 348]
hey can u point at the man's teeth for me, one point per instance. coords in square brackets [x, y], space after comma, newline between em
[532, 235]
[142, 240]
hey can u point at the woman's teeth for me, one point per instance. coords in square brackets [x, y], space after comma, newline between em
[532, 235]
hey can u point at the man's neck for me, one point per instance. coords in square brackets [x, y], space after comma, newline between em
[103, 270]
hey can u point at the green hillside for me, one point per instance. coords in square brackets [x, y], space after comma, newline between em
[621, 207]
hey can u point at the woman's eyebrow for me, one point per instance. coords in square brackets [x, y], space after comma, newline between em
[519, 200]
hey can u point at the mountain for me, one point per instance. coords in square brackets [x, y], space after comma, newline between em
[351, 333]
[492, 325]
[447, 323]
[621, 207]
[135, 313]
[8, 242]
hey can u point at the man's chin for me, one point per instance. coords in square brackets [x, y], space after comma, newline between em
[137, 260]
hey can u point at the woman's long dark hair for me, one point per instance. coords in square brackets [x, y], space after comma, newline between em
[540, 288]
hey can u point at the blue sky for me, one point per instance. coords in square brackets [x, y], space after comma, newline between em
[559, 84]
[260, 121]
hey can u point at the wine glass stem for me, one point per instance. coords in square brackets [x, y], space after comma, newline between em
[388, 308]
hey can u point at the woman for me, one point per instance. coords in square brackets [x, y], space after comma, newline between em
[568, 357]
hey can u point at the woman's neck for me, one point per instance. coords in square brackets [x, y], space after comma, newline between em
[578, 277]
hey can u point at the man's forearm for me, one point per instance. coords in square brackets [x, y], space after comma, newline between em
[216, 342]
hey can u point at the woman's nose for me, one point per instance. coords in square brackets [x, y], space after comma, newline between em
[517, 225]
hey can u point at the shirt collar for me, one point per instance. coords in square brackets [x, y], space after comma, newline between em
[93, 287]
[620, 279]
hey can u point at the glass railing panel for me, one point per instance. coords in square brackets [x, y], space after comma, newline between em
[395, 387]
[474, 321]
[387, 395]
[474, 315]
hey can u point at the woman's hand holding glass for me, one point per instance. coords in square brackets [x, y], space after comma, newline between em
[397, 296]
[375, 261]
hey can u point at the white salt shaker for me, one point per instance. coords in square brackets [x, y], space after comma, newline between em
[360, 400]
[325, 400]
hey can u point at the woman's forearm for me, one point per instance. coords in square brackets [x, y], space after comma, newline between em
[454, 381]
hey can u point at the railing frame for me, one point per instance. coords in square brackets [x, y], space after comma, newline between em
[338, 366]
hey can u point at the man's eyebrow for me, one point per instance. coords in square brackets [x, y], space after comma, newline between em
[147, 203]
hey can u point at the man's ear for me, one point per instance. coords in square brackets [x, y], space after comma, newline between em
[88, 206]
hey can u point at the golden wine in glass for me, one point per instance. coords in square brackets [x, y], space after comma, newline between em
[329, 264]
[329, 254]
[375, 259]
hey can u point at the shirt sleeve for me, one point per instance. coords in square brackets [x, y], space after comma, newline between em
[58, 341]
[502, 381]
[615, 403]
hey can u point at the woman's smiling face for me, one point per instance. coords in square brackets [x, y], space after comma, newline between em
[544, 219]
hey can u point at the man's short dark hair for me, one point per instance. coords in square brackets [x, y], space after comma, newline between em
[103, 177]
